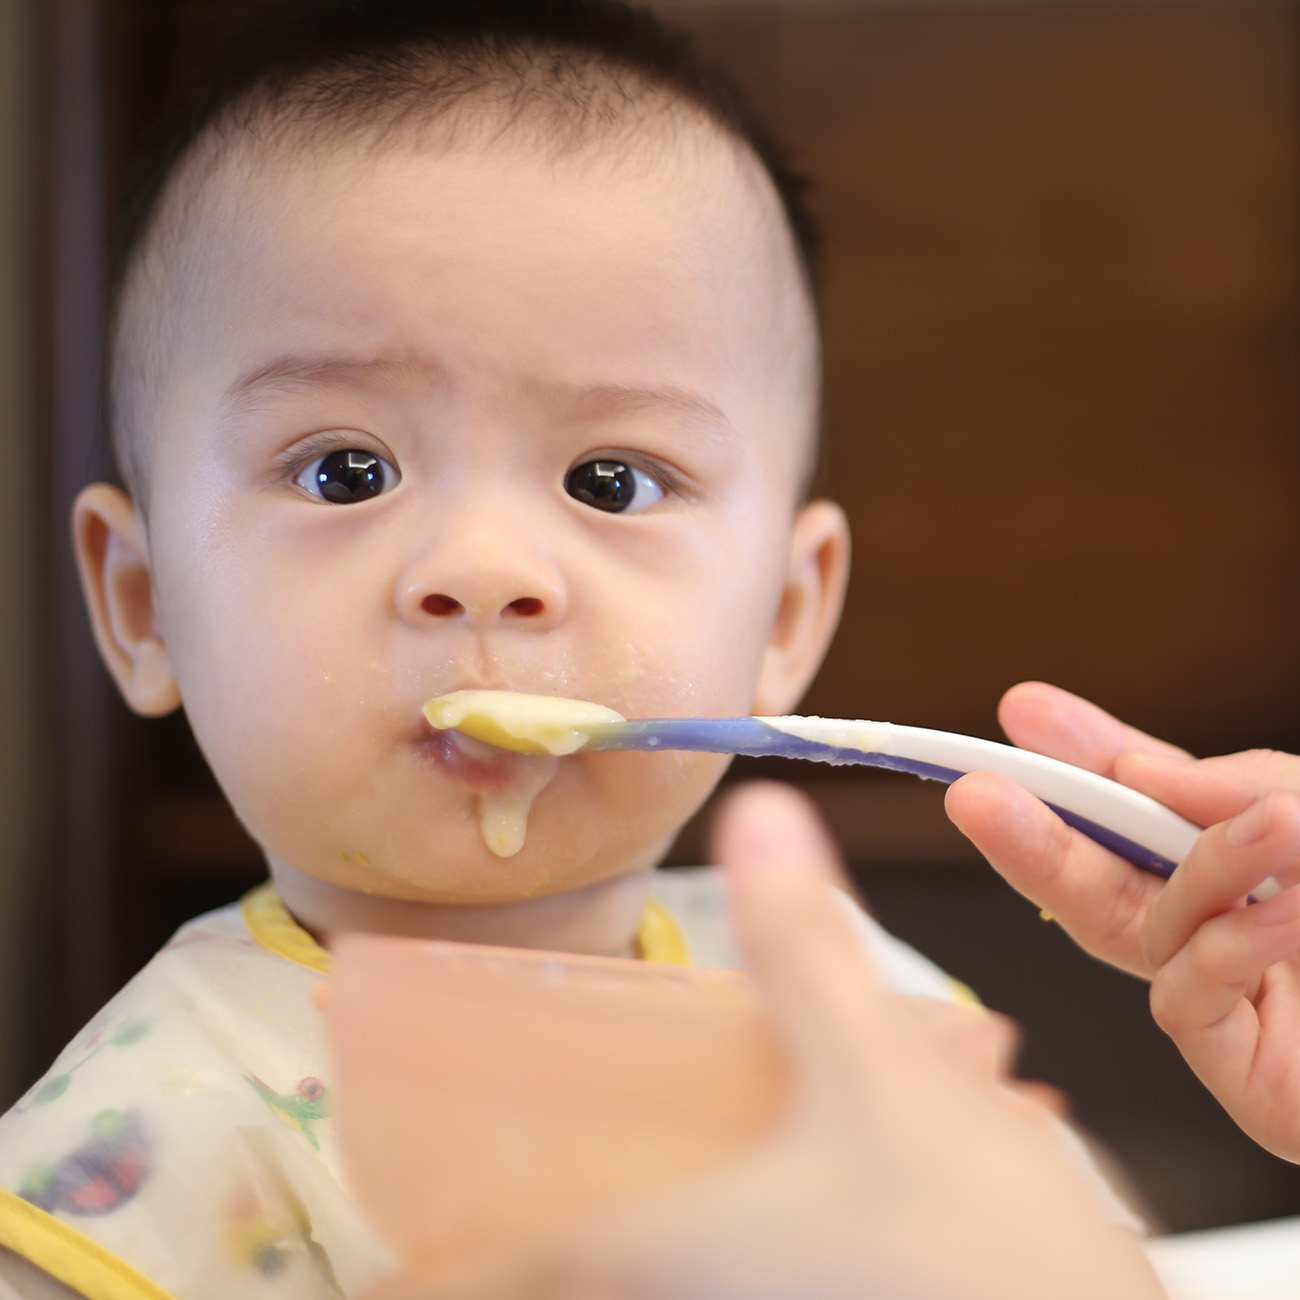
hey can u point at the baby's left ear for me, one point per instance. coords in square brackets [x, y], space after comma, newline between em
[810, 607]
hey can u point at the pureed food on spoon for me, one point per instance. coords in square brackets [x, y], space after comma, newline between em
[541, 728]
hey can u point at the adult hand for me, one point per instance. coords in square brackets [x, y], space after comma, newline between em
[902, 1169]
[1225, 976]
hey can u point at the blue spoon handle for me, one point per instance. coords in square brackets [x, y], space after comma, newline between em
[1138, 829]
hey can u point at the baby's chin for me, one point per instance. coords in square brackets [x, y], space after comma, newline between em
[463, 872]
[573, 835]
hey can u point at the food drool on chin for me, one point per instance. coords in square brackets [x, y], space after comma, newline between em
[503, 812]
[535, 728]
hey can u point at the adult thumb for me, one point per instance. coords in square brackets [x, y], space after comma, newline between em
[798, 935]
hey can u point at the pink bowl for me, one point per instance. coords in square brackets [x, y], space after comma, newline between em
[487, 1094]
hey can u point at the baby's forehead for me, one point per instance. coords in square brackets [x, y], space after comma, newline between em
[243, 186]
[705, 168]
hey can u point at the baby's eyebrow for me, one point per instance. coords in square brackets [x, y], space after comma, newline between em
[618, 399]
[298, 370]
[292, 371]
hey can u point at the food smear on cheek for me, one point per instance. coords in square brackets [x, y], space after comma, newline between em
[503, 813]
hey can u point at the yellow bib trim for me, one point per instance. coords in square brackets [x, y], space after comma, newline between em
[269, 922]
[658, 938]
[69, 1256]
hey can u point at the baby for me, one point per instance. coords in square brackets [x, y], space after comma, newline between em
[463, 346]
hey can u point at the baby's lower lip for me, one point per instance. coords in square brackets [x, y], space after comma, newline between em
[466, 760]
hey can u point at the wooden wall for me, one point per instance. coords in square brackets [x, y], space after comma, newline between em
[20, 813]
[1062, 312]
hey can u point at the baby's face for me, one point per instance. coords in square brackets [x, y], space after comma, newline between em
[407, 389]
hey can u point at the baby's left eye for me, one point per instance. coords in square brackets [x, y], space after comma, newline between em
[345, 477]
[613, 486]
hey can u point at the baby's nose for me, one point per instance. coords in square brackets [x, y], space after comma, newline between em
[441, 605]
[482, 581]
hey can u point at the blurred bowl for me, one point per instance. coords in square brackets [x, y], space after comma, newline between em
[486, 1095]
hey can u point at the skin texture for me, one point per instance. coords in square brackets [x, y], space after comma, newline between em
[902, 1168]
[1225, 976]
[484, 319]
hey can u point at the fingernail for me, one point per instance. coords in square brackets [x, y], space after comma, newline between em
[1251, 826]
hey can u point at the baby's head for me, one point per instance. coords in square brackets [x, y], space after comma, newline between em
[463, 345]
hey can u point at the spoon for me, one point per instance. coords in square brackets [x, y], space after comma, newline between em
[1137, 828]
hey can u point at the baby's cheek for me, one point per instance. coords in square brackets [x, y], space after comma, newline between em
[710, 677]
[285, 763]
[643, 801]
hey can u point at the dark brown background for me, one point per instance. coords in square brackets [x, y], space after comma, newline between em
[1063, 409]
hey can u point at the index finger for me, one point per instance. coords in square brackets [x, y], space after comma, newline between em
[1054, 722]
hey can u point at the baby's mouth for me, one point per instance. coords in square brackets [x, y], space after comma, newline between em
[504, 784]
[469, 761]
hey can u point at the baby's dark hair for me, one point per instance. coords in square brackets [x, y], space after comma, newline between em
[319, 68]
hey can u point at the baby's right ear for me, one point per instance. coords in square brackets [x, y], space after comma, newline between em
[113, 560]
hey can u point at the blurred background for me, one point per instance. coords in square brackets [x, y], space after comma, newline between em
[1062, 310]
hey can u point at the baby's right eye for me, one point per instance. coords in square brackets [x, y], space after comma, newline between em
[345, 477]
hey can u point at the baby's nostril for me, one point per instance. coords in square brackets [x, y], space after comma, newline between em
[525, 607]
[441, 606]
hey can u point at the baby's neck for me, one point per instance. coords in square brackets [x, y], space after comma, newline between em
[600, 918]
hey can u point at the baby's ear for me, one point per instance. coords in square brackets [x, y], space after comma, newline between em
[810, 607]
[113, 560]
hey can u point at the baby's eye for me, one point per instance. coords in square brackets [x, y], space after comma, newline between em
[346, 477]
[612, 485]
